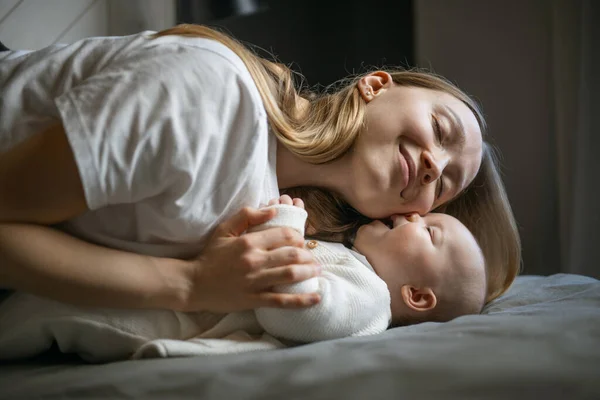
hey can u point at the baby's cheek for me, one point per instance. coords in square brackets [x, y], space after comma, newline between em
[429, 267]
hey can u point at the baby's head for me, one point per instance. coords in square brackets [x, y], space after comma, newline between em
[433, 266]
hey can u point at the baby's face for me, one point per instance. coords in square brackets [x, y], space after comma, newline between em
[417, 247]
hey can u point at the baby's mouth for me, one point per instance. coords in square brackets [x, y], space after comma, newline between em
[388, 222]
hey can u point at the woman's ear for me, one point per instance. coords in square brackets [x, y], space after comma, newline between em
[374, 84]
[418, 299]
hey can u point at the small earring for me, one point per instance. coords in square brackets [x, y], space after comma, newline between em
[368, 93]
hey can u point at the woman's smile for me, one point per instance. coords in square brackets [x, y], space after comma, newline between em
[403, 173]
[408, 168]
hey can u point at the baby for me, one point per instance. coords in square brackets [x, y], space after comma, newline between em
[410, 270]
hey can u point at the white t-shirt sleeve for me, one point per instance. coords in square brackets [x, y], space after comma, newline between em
[154, 122]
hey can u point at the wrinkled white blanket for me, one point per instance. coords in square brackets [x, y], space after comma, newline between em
[355, 302]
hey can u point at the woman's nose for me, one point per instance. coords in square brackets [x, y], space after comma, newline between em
[432, 166]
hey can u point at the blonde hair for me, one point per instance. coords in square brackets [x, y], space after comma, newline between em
[330, 126]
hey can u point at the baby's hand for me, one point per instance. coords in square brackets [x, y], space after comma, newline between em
[285, 199]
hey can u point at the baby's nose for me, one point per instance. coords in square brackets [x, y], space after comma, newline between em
[412, 217]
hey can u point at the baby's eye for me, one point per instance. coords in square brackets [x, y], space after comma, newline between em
[430, 232]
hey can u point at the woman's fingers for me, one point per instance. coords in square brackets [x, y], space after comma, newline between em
[244, 219]
[284, 300]
[287, 255]
[273, 238]
[283, 275]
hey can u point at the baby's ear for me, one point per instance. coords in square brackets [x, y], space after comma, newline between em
[418, 299]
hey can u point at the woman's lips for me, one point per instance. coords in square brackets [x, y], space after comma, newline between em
[398, 219]
[393, 221]
[408, 168]
[404, 173]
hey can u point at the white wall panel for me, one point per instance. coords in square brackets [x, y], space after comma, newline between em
[7, 6]
[93, 23]
[35, 24]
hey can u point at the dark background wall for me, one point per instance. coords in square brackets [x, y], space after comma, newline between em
[326, 40]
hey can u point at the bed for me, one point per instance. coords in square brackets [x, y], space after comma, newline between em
[539, 340]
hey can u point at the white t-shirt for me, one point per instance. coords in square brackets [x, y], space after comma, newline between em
[170, 134]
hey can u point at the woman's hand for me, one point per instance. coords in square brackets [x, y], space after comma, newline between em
[236, 272]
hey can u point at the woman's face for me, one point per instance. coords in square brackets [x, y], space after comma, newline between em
[420, 149]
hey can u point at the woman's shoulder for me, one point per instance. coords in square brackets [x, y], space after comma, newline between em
[213, 62]
[215, 51]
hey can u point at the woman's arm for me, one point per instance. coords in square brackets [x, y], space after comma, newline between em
[40, 184]
[49, 263]
[233, 272]
[39, 180]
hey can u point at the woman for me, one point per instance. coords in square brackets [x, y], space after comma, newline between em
[144, 144]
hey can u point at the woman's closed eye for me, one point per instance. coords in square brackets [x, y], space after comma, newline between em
[438, 130]
[440, 138]
[439, 188]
